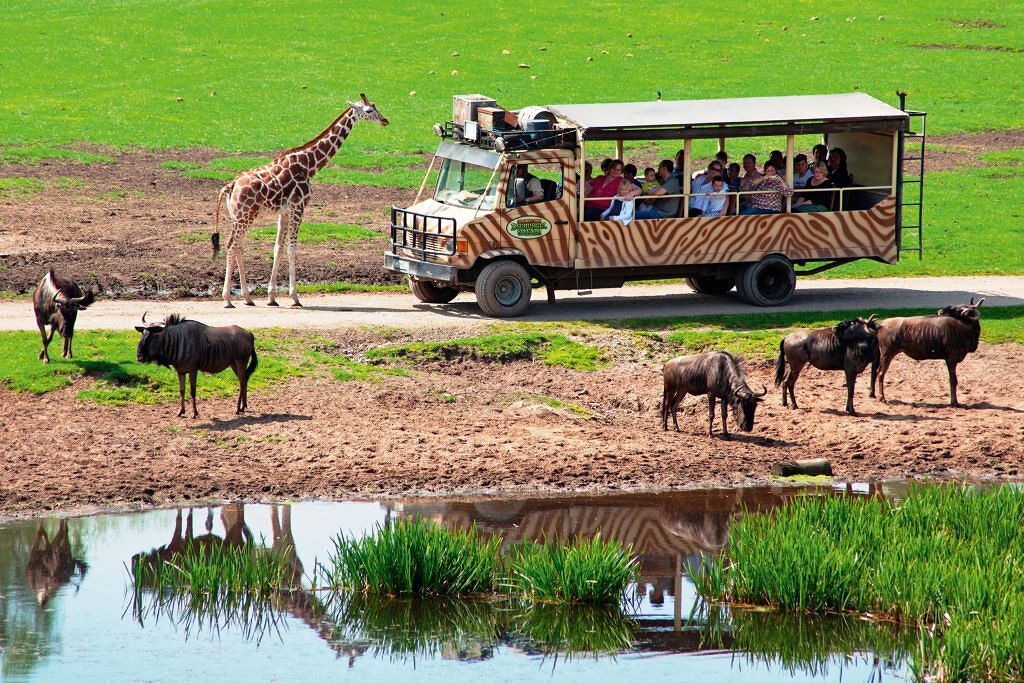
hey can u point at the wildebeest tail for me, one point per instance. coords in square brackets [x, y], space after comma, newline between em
[253, 362]
[780, 364]
[215, 237]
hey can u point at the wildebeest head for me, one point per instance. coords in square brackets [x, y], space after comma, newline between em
[963, 313]
[69, 307]
[743, 403]
[857, 332]
[150, 331]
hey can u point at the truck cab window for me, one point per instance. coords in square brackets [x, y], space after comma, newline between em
[533, 184]
[466, 185]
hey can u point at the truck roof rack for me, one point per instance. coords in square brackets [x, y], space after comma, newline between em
[509, 140]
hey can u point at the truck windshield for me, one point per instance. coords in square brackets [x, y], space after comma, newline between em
[462, 184]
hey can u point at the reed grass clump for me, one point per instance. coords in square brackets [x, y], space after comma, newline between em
[949, 559]
[214, 571]
[594, 571]
[414, 557]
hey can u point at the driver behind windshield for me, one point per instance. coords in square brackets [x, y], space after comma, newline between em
[528, 187]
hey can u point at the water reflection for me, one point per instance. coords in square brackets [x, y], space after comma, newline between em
[44, 568]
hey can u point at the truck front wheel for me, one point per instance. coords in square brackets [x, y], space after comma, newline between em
[503, 289]
[432, 293]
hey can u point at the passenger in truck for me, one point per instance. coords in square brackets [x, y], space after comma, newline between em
[801, 173]
[816, 201]
[838, 173]
[771, 202]
[528, 187]
[820, 153]
[623, 206]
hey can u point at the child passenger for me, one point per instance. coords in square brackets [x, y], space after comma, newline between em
[623, 205]
[650, 181]
[716, 201]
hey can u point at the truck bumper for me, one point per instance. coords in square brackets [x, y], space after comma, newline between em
[420, 269]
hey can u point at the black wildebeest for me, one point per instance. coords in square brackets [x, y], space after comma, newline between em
[849, 346]
[719, 375]
[949, 335]
[190, 346]
[57, 302]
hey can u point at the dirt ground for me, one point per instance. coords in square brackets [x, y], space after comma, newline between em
[135, 229]
[462, 426]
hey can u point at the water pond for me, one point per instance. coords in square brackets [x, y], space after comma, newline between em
[68, 612]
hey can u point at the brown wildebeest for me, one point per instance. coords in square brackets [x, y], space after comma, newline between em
[57, 301]
[190, 346]
[719, 375]
[948, 335]
[849, 346]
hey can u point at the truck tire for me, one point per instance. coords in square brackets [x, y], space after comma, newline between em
[432, 293]
[711, 285]
[503, 289]
[769, 282]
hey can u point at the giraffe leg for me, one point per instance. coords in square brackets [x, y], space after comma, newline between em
[246, 294]
[228, 267]
[282, 232]
[293, 242]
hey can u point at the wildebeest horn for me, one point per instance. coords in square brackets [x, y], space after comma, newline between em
[144, 317]
[764, 390]
[871, 317]
[980, 302]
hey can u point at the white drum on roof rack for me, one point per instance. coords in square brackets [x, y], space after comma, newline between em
[536, 118]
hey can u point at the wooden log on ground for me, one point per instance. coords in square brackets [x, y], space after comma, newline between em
[810, 468]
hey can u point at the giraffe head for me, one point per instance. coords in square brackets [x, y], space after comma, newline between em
[367, 111]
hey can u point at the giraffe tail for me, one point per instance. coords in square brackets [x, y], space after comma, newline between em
[215, 237]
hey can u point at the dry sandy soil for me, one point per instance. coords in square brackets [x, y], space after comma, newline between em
[463, 427]
[135, 229]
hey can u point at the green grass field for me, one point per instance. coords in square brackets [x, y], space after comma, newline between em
[168, 74]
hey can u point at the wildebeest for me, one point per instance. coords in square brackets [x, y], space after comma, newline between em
[51, 564]
[190, 346]
[719, 375]
[948, 335]
[57, 301]
[849, 346]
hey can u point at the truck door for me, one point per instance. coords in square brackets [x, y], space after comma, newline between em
[538, 211]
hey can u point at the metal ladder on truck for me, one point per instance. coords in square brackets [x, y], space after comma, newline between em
[910, 205]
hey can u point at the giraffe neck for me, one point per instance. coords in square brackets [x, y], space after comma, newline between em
[325, 145]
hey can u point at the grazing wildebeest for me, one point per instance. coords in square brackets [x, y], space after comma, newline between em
[717, 374]
[850, 346]
[57, 302]
[948, 335]
[190, 346]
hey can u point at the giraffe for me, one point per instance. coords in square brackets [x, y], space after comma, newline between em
[281, 187]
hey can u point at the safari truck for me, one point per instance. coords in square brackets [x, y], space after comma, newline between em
[488, 228]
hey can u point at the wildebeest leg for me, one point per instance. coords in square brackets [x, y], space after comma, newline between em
[951, 366]
[711, 415]
[181, 393]
[883, 366]
[677, 398]
[851, 380]
[192, 390]
[794, 374]
[43, 355]
[725, 420]
[239, 368]
[66, 353]
[874, 373]
[295, 220]
[279, 240]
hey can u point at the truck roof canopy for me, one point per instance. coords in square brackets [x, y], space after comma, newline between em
[745, 116]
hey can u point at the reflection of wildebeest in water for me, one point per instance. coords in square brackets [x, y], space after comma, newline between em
[236, 534]
[51, 563]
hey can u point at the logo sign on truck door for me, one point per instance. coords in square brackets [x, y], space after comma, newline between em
[528, 227]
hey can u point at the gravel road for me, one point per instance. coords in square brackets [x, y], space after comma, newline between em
[403, 310]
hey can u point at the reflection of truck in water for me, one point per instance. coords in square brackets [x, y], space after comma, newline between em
[507, 211]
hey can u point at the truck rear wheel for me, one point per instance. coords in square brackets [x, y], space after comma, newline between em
[503, 289]
[769, 282]
[432, 293]
[711, 285]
